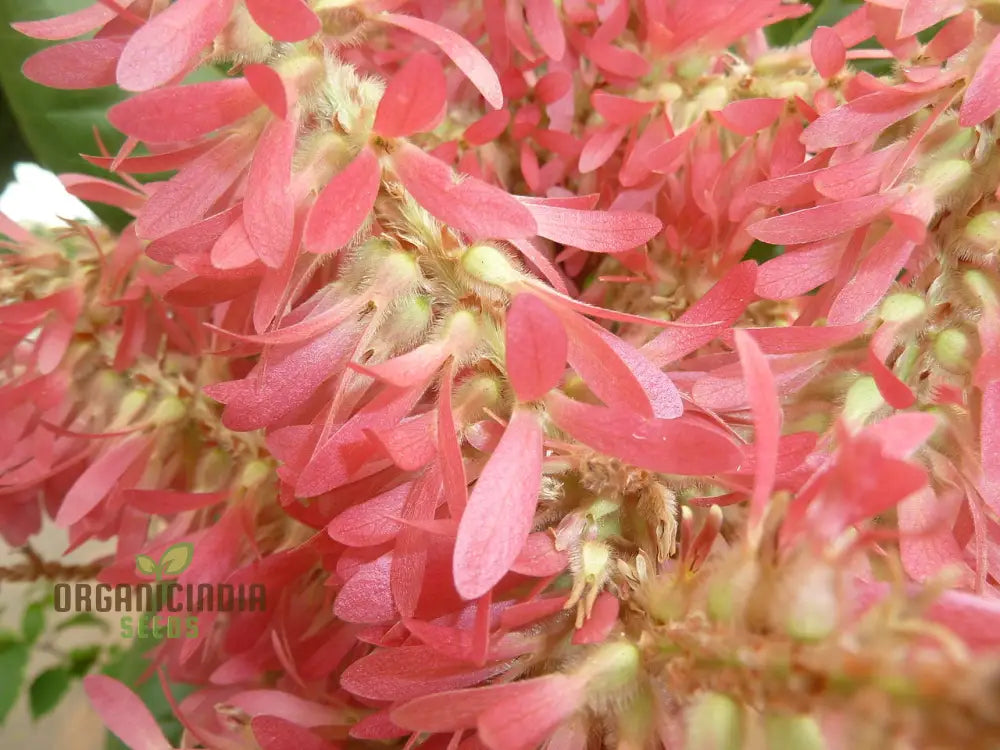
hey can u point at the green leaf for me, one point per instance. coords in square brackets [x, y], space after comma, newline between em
[176, 559]
[145, 564]
[47, 689]
[82, 659]
[13, 660]
[8, 637]
[57, 125]
[33, 622]
[83, 619]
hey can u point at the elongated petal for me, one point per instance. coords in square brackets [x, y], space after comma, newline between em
[798, 271]
[982, 98]
[285, 20]
[766, 419]
[821, 222]
[672, 446]
[543, 20]
[595, 231]
[536, 347]
[828, 51]
[469, 205]
[69, 25]
[268, 208]
[181, 113]
[95, 483]
[861, 118]
[343, 205]
[724, 303]
[501, 507]
[468, 59]
[168, 45]
[873, 279]
[372, 522]
[747, 116]
[275, 733]
[124, 713]
[271, 88]
[414, 100]
[88, 64]
[523, 721]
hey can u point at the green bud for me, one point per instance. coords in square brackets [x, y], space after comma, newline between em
[945, 176]
[255, 473]
[611, 667]
[812, 609]
[212, 471]
[951, 349]
[714, 722]
[903, 307]
[983, 231]
[171, 409]
[133, 403]
[982, 287]
[488, 264]
[863, 400]
[790, 732]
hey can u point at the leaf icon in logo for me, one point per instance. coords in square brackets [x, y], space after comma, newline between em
[145, 564]
[176, 559]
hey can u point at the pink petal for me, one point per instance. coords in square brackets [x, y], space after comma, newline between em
[69, 25]
[409, 557]
[460, 709]
[828, 51]
[874, 277]
[124, 714]
[821, 222]
[90, 188]
[275, 733]
[723, 303]
[601, 622]
[543, 20]
[594, 231]
[798, 271]
[291, 708]
[285, 20]
[343, 205]
[183, 200]
[922, 14]
[501, 507]
[88, 64]
[182, 113]
[989, 435]
[926, 543]
[449, 446]
[393, 674]
[366, 596]
[96, 481]
[408, 369]
[470, 205]
[487, 128]
[468, 59]
[657, 385]
[620, 110]
[271, 88]
[414, 100]
[536, 347]
[982, 98]
[860, 118]
[523, 721]
[372, 522]
[795, 339]
[539, 557]
[169, 43]
[674, 446]
[600, 147]
[268, 208]
[748, 116]
[766, 420]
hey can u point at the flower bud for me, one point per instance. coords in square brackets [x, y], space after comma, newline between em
[982, 287]
[255, 473]
[951, 348]
[863, 400]
[170, 409]
[133, 403]
[983, 231]
[902, 307]
[610, 667]
[943, 177]
[811, 610]
[212, 471]
[790, 732]
[487, 263]
[714, 722]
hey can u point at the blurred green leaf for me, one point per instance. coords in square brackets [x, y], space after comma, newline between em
[83, 619]
[33, 622]
[13, 660]
[57, 125]
[82, 659]
[47, 690]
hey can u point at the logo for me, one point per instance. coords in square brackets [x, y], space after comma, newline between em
[163, 607]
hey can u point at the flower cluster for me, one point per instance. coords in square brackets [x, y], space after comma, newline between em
[444, 330]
